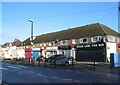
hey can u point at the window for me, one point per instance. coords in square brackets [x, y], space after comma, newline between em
[40, 44]
[118, 40]
[96, 38]
[111, 38]
[64, 42]
[44, 44]
[52, 43]
[73, 41]
[36, 45]
[84, 40]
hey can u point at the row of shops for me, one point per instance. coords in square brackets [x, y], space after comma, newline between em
[78, 42]
[82, 52]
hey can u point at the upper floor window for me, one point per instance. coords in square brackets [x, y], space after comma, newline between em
[111, 38]
[64, 42]
[44, 44]
[96, 38]
[118, 40]
[84, 40]
[36, 45]
[51, 43]
[73, 41]
[40, 44]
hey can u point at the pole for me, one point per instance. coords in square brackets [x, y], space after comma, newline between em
[32, 31]
[31, 35]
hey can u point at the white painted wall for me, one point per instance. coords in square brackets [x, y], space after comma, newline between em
[111, 48]
[21, 53]
[51, 51]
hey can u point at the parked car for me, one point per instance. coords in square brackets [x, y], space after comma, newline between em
[41, 58]
[7, 56]
[62, 60]
[53, 57]
[67, 60]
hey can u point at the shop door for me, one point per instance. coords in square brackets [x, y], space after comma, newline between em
[28, 53]
[91, 55]
[35, 54]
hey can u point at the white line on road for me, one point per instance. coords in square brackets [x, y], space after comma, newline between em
[77, 81]
[13, 67]
[3, 68]
[54, 77]
[67, 79]
[21, 66]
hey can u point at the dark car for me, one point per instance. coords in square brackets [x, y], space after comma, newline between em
[66, 60]
[54, 57]
[61, 60]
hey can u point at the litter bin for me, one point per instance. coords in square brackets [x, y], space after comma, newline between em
[115, 59]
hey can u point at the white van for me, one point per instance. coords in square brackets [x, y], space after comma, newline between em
[7, 55]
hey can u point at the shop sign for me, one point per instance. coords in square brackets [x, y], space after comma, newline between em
[90, 45]
[65, 47]
[51, 48]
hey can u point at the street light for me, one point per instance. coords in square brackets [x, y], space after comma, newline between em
[31, 34]
[31, 30]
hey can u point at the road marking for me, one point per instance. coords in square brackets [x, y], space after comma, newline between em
[67, 79]
[21, 66]
[40, 75]
[13, 67]
[55, 77]
[3, 68]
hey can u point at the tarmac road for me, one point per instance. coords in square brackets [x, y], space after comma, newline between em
[12, 73]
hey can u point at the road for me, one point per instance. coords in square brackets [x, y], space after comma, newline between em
[12, 73]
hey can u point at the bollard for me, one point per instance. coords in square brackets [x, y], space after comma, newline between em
[54, 63]
[45, 62]
[94, 65]
[72, 62]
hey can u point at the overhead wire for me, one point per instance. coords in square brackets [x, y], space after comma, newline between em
[60, 15]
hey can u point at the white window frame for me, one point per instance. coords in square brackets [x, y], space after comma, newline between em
[118, 40]
[40, 44]
[44, 44]
[36, 45]
[112, 38]
[64, 42]
[98, 38]
[81, 40]
[73, 41]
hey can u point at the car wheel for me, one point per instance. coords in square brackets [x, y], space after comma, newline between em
[66, 63]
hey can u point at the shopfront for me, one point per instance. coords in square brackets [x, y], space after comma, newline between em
[91, 52]
[35, 53]
[65, 49]
[28, 53]
[51, 51]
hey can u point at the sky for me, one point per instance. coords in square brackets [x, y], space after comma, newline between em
[53, 16]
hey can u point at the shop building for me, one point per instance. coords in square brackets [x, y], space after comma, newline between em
[93, 42]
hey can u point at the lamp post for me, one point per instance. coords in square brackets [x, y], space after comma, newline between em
[30, 20]
[31, 29]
